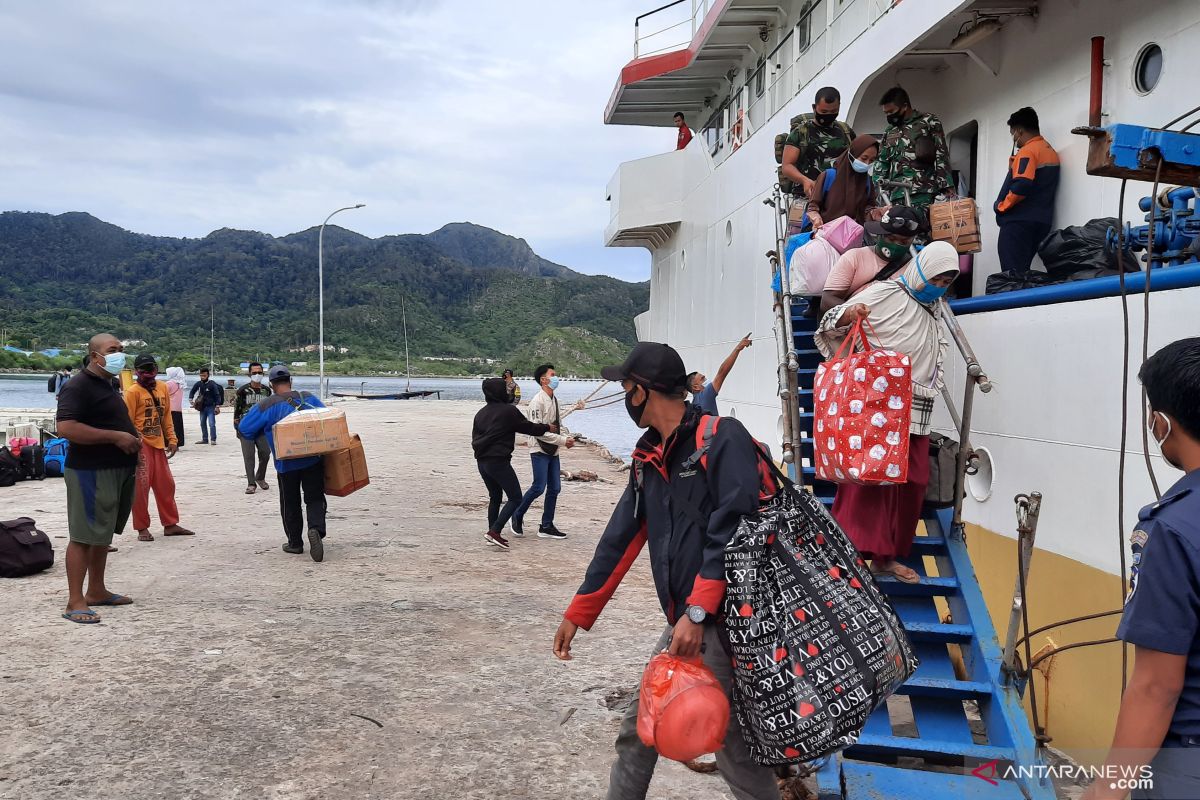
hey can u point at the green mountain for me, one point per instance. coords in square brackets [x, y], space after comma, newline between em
[469, 292]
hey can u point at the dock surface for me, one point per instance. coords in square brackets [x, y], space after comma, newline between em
[414, 662]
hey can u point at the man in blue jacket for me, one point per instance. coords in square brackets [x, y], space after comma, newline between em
[687, 511]
[293, 475]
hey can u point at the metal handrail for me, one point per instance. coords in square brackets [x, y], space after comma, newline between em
[702, 7]
[976, 377]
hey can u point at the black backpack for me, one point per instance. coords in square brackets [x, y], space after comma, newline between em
[10, 468]
[24, 550]
[52, 384]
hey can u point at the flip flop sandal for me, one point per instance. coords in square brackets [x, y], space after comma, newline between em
[180, 532]
[145, 536]
[113, 600]
[83, 616]
[906, 578]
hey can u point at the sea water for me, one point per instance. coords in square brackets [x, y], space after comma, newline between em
[609, 425]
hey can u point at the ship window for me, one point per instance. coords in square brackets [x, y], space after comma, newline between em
[760, 77]
[1147, 70]
[683, 259]
[728, 232]
[804, 28]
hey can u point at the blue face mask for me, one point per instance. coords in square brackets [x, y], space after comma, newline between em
[860, 166]
[553, 384]
[928, 294]
[114, 363]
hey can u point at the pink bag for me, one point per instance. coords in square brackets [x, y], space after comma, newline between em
[843, 233]
[861, 408]
[810, 266]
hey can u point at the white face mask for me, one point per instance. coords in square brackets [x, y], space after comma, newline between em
[1160, 442]
[256, 378]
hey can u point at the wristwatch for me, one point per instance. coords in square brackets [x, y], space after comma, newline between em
[696, 614]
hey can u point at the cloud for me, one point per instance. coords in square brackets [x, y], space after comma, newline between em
[181, 118]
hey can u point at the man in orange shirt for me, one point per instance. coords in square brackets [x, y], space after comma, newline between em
[1025, 207]
[149, 405]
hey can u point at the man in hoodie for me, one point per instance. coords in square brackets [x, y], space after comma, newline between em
[295, 475]
[248, 396]
[543, 456]
[492, 437]
[687, 512]
[148, 403]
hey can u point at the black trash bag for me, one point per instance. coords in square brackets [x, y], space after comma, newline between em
[1080, 247]
[1013, 281]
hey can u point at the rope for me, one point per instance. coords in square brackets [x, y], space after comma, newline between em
[1146, 327]
[1124, 421]
[1182, 116]
[1038, 731]
[1070, 621]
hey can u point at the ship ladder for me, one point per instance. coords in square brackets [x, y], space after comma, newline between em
[957, 729]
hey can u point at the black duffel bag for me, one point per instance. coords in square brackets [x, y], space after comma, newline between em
[24, 550]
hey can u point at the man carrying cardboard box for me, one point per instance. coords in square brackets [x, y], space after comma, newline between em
[295, 475]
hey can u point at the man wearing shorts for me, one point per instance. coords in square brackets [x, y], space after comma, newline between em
[99, 474]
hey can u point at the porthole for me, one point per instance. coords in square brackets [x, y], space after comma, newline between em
[1147, 69]
[728, 232]
[980, 484]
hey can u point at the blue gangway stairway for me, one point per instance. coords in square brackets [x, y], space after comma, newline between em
[964, 734]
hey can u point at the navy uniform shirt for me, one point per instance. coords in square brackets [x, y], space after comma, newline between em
[1163, 609]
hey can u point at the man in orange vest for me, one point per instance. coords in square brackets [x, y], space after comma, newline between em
[1025, 207]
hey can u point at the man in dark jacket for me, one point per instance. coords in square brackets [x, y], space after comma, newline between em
[209, 405]
[493, 437]
[687, 513]
[1025, 206]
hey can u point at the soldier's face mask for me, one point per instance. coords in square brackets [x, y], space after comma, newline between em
[897, 116]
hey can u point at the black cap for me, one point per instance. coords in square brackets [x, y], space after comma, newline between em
[900, 220]
[652, 365]
[507, 372]
[145, 360]
[279, 373]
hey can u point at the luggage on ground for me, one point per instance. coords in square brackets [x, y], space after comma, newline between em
[683, 712]
[10, 468]
[816, 647]
[861, 410]
[24, 550]
[33, 462]
[55, 459]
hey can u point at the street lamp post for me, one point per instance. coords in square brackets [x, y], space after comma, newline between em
[321, 296]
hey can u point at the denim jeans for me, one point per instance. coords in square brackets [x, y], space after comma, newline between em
[546, 478]
[208, 413]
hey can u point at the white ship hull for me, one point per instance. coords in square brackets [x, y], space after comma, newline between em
[1053, 424]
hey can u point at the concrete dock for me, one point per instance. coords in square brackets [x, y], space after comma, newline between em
[414, 662]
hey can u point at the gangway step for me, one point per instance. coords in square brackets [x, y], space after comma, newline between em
[931, 749]
[929, 546]
[869, 781]
[942, 687]
[926, 587]
[938, 632]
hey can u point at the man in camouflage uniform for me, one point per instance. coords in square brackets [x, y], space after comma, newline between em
[913, 152]
[815, 142]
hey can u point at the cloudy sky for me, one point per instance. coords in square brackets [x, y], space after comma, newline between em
[177, 118]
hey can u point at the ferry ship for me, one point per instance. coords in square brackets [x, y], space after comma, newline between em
[707, 213]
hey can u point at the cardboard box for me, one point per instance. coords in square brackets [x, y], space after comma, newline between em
[311, 432]
[956, 222]
[796, 216]
[346, 470]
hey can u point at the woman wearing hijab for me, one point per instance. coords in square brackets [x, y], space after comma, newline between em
[851, 194]
[176, 383]
[905, 314]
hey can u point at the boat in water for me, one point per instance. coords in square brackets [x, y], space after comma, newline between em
[1064, 418]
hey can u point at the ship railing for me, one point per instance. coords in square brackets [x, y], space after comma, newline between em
[668, 28]
[809, 46]
[967, 461]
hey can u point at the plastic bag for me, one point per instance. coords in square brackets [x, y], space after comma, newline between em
[816, 646]
[861, 412]
[843, 233]
[683, 712]
[810, 266]
[1079, 247]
